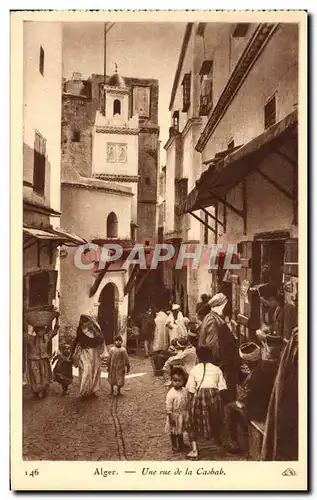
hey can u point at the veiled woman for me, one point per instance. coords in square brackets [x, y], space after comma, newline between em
[89, 347]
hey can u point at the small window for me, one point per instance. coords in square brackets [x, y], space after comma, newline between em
[112, 225]
[186, 91]
[39, 164]
[176, 120]
[41, 62]
[76, 136]
[147, 181]
[231, 144]
[206, 88]
[270, 113]
[241, 30]
[116, 107]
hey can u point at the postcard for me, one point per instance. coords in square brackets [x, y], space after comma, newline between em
[158, 252]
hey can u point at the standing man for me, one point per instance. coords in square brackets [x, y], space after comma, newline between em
[147, 329]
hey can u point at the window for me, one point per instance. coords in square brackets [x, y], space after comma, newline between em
[39, 289]
[147, 181]
[270, 113]
[176, 120]
[231, 144]
[116, 152]
[76, 136]
[41, 62]
[116, 107]
[186, 91]
[241, 30]
[39, 164]
[112, 226]
[206, 85]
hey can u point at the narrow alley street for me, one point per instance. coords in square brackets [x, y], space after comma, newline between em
[130, 427]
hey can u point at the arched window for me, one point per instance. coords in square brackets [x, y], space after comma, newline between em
[112, 225]
[116, 107]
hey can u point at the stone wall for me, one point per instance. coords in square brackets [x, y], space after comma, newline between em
[76, 119]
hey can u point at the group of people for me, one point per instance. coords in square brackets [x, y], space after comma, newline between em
[217, 387]
[157, 330]
[86, 353]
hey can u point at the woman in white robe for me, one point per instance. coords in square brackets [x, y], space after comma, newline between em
[161, 337]
[176, 323]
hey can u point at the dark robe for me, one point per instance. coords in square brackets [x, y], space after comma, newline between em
[280, 440]
[215, 333]
[257, 389]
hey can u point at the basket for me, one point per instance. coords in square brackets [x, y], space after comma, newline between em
[41, 317]
[158, 360]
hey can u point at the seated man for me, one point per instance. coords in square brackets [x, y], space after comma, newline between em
[253, 401]
[185, 357]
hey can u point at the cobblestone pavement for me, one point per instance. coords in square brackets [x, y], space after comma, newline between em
[130, 427]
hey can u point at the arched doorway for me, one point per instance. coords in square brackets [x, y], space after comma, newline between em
[108, 311]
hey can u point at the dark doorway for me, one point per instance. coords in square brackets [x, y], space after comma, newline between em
[267, 260]
[108, 312]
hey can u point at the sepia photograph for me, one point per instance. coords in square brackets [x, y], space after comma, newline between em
[162, 232]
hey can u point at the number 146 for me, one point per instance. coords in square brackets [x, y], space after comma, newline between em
[32, 473]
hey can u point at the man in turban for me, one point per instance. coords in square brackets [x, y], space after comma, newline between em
[215, 333]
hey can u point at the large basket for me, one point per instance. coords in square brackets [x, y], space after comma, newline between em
[158, 360]
[41, 317]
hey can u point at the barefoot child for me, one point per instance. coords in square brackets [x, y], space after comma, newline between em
[118, 365]
[177, 408]
[63, 369]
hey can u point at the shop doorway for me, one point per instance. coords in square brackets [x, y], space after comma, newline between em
[268, 261]
[108, 312]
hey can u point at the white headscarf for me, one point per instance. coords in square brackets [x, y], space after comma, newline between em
[218, 303]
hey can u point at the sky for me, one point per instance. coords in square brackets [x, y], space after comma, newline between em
[144, 50]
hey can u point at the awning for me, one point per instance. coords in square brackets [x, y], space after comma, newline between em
[228, 168]
[59, 235]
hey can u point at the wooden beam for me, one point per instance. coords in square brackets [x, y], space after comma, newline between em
[274, 183]
[98, 280]
[202, 222]
[38, 253]
[131, 280]
[286, 157]
[216, 223]
[295, 196]
[142, 279]
[227, 204]
[225, 216]
[245, 206]
[212, 216]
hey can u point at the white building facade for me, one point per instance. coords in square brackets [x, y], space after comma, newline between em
[239, 85]
[42, 234]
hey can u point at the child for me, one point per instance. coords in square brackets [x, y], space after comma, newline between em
[63, 369]
[39, 371]
[177, 408]
[185, 357]
[118, 365]
[204, 384]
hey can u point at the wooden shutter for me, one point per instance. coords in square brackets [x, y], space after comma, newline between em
[291, 257]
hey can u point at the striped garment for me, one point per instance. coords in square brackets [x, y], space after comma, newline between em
[205, 415]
